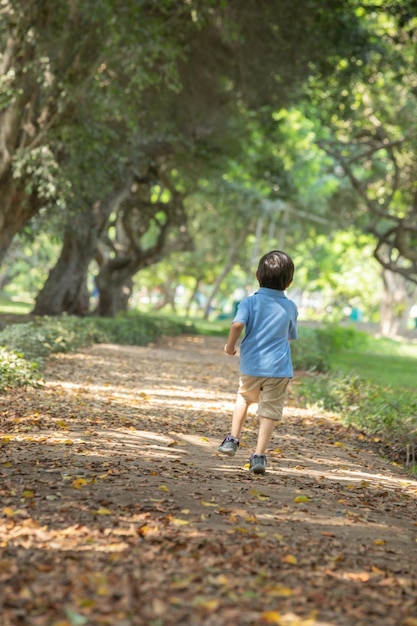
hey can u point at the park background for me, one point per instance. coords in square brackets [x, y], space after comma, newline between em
[150, 152]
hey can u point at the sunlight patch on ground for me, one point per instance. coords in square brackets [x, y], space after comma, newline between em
[161, 395]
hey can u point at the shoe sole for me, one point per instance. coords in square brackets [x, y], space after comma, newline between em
[257, 469]
[227, 452]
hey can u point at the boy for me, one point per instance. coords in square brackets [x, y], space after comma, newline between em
[270, 321]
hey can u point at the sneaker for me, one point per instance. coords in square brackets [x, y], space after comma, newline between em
[229, 446]
[257, 463]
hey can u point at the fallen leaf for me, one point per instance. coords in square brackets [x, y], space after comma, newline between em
[102, 511]
[271, 617]
[290, 559]
[78, 483]
[299, 499]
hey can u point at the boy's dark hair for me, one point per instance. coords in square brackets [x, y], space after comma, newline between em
[275, 270]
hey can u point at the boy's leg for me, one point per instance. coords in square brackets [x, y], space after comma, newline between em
[239, 416]
[266, 427]
[248, 393]
[271, 404]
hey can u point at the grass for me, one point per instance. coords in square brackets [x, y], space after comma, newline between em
[14, 307]
[388, 370]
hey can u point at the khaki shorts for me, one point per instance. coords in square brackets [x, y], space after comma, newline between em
[269, 393]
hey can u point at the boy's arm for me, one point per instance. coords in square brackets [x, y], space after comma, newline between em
[234, 334]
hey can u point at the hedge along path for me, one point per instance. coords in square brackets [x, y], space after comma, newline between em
[116, 509]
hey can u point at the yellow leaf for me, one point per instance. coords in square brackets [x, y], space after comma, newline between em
[259, 495]
[143, 530]
[62, 424]
[290, 559]
[28, 494]
[246, 466]
[205, 603]
[278, 537]
[102, 511]
[271, 617]
[280, 591]
[339, 444]
[163, 488]
[204, 503]
[179, 522]
[8, 511]
[8, 464]
[301, 499]
[79, 482]
[380, 542]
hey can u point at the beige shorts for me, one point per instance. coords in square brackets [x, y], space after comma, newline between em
[269, 393]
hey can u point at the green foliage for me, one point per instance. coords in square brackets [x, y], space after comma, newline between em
[47, 335]
[137, 330]
[364, 404]
[313, 349]
[16, 371]
[334, 337]
[309, 353]
[375, 391]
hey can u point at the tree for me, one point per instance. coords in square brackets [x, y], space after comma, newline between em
[372, 140]
[107, 80]
[365, 123]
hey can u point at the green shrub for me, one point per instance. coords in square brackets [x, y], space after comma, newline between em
[46, 335]
[363, 404]
[137, 330]
[16, 371]
[335, 337]
[308, 352]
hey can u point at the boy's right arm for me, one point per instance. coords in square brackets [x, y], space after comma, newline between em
[234, 334]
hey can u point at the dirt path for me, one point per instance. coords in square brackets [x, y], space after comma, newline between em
[115, 508]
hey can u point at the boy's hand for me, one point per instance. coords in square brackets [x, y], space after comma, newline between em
[230, 350]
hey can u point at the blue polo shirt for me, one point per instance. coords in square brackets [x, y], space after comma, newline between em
[270, 320]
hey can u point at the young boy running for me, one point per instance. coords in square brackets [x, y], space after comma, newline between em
[270, 321]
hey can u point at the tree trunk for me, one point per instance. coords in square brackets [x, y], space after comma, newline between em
[115, 289]
[398, 298]
[65, 290]
[136, 219]
[13, 212]
[231, 258]
[168, 290]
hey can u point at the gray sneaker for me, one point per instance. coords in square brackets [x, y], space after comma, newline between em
[229, 446]
[257, 463]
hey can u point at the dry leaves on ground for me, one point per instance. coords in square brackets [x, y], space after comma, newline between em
[115, 508]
